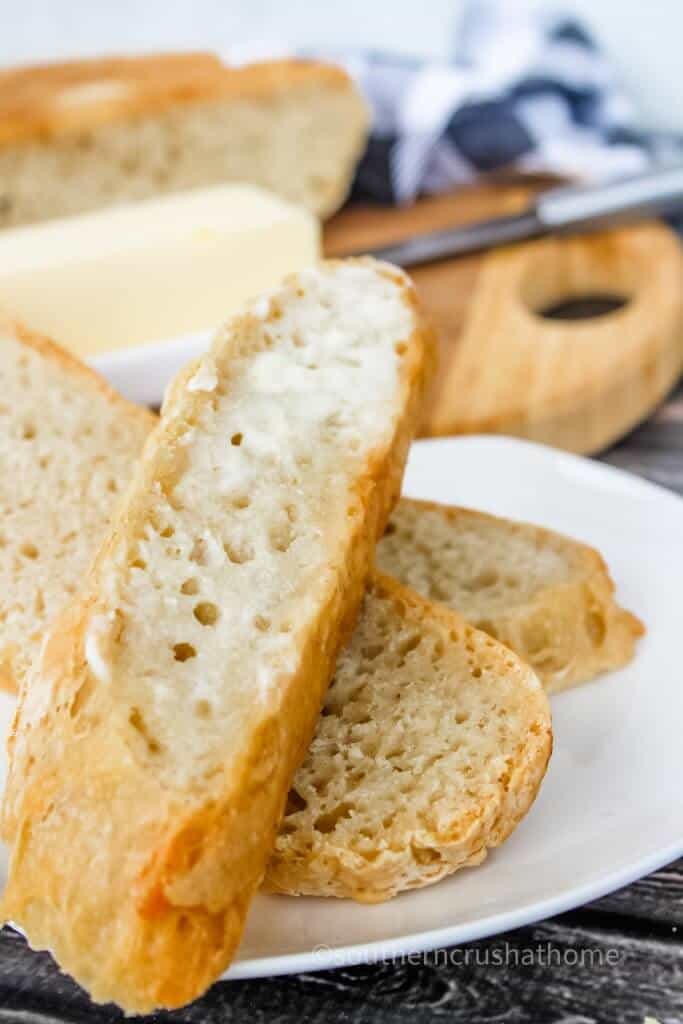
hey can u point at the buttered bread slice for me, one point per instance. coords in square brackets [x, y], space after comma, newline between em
[174, 699]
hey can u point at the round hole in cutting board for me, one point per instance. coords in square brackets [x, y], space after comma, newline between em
[573, 281]
[584, 307]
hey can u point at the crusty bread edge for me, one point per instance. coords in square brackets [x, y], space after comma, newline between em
[338, 871]
[588, 599]
[192, 941]
[89, 377]
[28, 111]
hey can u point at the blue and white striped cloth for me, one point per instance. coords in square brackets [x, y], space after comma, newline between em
[523, 91]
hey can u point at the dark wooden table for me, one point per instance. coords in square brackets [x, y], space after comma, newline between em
[617, 960]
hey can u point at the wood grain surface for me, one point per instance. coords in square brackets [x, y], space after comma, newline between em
[632, 940]
[505, 365]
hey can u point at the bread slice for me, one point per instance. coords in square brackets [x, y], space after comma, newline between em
[174, 699]
[432, 744]
[547, 597]
[68, 444]
[86, 134]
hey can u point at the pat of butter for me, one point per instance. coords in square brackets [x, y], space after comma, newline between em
[153, 270]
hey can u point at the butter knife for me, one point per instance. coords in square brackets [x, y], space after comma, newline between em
[563, 210]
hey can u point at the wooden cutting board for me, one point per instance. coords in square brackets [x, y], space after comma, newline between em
[506, 366]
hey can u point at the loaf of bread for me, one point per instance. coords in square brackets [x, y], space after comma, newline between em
[86, 134]
[173, 700]
[432, 744]
[547, 597]
[68, 445]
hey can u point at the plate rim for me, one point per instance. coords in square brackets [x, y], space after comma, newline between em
[559, 455]
[324, 958]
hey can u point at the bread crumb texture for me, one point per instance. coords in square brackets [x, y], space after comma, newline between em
[269, 462]
[431, 746]
[68, 446]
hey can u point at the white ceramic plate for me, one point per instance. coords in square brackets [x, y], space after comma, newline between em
[141, 373]
[610, 809]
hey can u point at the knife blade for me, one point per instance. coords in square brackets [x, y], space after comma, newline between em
[564, 210]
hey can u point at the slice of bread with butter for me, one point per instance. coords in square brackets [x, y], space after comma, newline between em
[176, 696]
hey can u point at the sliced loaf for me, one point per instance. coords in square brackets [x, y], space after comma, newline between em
[68, 444]
[174, 699]
[86, 134]
[431, 746]
[547, 597]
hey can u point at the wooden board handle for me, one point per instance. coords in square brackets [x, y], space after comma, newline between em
[507, 368]
[575, 384]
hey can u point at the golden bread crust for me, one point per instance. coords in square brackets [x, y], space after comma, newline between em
[51, 100]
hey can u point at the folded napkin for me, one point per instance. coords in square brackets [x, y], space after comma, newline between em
[524, 90]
